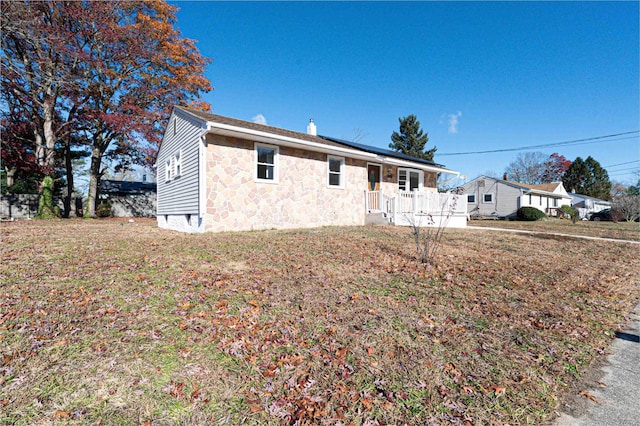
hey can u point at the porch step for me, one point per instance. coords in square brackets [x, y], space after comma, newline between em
[377, 218]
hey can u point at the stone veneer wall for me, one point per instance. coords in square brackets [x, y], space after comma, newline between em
[300, 199]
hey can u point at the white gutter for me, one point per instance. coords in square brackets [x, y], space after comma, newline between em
[225, 129]
[426, 167]
[256, 135]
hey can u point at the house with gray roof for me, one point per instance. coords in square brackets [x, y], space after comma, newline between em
[489, 197]
[586, 205]
[216, 173]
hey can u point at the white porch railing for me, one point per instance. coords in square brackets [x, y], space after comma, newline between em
[407, 206]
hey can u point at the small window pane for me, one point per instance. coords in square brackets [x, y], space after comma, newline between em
[265, 155]
[413, 180]
[334, 165]
[471, 198]
[265, 172]
[334, 179]
[487, 198]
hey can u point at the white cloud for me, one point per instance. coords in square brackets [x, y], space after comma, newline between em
[453, 121]
[259, 119]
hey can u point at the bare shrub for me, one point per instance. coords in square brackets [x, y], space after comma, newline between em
[626, 207]
[427, 236]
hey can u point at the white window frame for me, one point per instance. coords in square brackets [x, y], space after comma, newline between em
[177, 164]
[471, 198]
[341, 174]
[408, 178]
[276, 155]
[168, 172]
[484, 198]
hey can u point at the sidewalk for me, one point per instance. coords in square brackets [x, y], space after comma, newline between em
[619, 395]
[522, 231]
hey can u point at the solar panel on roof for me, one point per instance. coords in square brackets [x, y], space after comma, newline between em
[380, 151]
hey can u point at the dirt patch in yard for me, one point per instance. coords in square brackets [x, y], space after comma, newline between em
[119, 322]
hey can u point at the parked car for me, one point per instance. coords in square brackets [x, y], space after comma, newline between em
[601, 215]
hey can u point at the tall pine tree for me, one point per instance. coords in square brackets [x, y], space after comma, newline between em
[411, 140]
[587, 177]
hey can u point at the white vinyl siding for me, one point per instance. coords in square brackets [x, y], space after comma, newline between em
[179, 156]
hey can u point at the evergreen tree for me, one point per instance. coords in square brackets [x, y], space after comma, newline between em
[411, 140]
[587, 177]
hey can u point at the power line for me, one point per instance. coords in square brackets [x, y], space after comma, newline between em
[596, 139]
[622, 164]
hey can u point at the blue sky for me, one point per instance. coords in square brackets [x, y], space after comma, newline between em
[478, 75]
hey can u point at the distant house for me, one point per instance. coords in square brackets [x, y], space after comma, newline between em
[129, 199]
[489, 197]
[218, 173]
[587, 205]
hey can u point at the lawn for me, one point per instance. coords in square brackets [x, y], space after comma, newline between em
[117, 322]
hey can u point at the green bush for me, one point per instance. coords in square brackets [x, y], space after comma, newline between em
[103, 209]
[530, 213]
[570, 212]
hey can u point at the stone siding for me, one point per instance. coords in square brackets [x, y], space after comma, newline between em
[300, 199]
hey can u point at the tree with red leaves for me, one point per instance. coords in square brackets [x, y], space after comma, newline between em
[555, 167]
[106, 73]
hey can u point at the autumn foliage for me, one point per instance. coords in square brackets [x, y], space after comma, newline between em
[103, 75]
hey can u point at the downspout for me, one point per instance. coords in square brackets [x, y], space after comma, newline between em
[202, 178]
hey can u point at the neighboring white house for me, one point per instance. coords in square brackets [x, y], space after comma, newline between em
[218, 173]
[489, 197]
[587, 205]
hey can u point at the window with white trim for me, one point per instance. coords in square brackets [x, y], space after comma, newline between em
[177, 164]
[266, 168]
[487, 198]
[335, 169]
[408, 179]
[167, 170]
[471, 198]
[173, 167]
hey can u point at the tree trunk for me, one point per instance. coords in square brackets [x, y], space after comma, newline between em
[11, 172]
[94, 180]
[69, 170]
[49, 135]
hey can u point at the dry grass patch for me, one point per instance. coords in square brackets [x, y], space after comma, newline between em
[124, 323]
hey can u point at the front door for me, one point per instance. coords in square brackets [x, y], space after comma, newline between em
[373, 172]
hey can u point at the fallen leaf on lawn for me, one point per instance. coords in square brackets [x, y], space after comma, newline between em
[366, 402]
[497, 390]
[468, 390]
[59, 414]
[589, 396]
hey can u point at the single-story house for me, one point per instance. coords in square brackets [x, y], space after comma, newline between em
[129, 199]
[489, 197]
[586, 205]
[217, 173]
